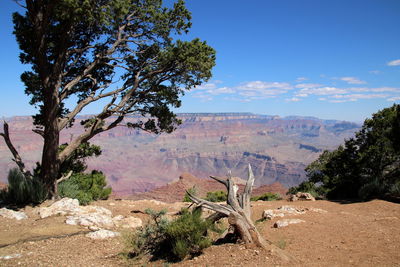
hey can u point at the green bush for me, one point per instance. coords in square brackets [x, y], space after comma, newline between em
[192, 191]
[217, 196]
[309, 187]
[187, 234]
[22, 190]
[172, 240]
[85, 187]
[267, 197]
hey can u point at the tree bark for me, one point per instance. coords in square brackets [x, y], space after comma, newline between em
[50, 168]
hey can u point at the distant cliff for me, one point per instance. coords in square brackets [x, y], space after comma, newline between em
[205, 144]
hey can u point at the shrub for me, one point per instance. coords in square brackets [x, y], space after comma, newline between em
[267, 197]
[192, 191]
[217, 196]
[22, 190]
[309, 187]
[187, 234]
[172, 240]
[85, 187]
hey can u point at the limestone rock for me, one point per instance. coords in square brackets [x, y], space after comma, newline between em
[301, 196]
[91, 219]
[286, 222]
[291, 210]
[102, 234]
[11, 214]
[62, 207]
[270, 214]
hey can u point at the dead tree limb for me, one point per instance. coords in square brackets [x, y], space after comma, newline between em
[17, 158]
[238, 212]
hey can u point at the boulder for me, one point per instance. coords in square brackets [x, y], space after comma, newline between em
[11, 214]
[91, 219]
[102, 234]
[305, 196]
[286, 222]
[62, 207]
[291, 210]
[270, 214]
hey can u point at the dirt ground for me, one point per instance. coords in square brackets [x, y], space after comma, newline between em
[353, 234]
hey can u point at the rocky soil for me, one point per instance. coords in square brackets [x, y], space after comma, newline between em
[329, 234]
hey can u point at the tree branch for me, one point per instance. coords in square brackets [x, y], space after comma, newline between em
[17, 159]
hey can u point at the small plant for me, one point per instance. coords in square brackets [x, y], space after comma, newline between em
[192, 191]
[22, 190]
[217, 196]
[267, 197]
[85, 187]
[172, 240]
[188, 234]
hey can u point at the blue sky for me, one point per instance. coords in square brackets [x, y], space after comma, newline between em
[330, 59]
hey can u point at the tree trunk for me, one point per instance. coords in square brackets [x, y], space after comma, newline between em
[50, 162]
[238, 211]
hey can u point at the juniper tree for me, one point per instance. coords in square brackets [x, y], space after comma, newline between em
[124, 53]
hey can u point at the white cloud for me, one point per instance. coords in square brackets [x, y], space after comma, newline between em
[203, 97]
[221, 90]
[206, 86]
[375, 72]
[308, 85]
[293, 99]
[323, 91]
[301, 79]
[394, 99]
[261, 86]
[394, 62]
[352, 80]
[374, 90]
[301, 95]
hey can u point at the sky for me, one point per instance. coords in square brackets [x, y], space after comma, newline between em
[329, 59]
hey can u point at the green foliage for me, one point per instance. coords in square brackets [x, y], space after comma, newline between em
[267, 197]
[216, 196]
[22, 190]
[309, 187]
[187, 234]
[367, 166]
[172, 240]
[193, 191]
[85, 187]
[76, 161]
[81, 33]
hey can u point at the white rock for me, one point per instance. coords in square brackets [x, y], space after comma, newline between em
[11, 214]
[102, 234]
[291, 210]
[269, 214]
[12, 256]
[305, 196]
[118, 218]
[91, 219]
[286, 222]
[61, 207]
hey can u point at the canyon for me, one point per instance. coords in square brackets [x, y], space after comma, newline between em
[204, 144]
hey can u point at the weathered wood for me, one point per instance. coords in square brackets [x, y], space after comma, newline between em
[16, 157]
[238, 211]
